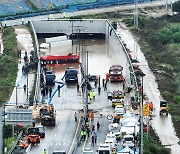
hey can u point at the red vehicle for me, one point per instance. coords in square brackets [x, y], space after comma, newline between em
[54, 59]
[115, 73]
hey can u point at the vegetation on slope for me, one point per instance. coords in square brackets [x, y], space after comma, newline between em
[8, 64]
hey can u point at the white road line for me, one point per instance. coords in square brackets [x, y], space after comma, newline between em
[55, 135]
[51, 143]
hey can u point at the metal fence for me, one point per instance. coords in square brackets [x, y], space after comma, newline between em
[16, 143]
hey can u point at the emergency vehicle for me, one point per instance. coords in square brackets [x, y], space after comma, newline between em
[115, 73]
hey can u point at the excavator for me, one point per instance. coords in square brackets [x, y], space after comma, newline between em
[47, 116]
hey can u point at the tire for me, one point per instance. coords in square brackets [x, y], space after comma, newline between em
[38, 141]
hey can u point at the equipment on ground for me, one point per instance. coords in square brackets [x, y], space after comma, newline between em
[33, 135]
[163, 107]
[47, 116]
[115, 73]
[71, 75]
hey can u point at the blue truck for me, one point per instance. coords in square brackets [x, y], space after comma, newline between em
[71, 75]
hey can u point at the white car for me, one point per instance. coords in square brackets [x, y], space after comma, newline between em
[87, 151]
[128, 140]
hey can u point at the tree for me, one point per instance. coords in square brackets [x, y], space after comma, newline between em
[176, 6]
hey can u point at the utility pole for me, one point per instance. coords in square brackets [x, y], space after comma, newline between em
[87, 81]
[27, 86]
[166, 7]
[141, 107]
[1, 134]
[136, 14]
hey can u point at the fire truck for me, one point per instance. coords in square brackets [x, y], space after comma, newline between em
[115, 73]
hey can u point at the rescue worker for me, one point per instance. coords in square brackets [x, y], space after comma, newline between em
[24, 87]
[98, 125]
[105, 86]
[84, 135]
[88, 131]
[99, 90]
[107, 77]
[92, 140]
[93, 94]
[93, 129]
[95, 138]
[58, 87]
[95, 83]
[77, 87]
[75, 116]
[50, 91]
[92, 115]
[103, 82]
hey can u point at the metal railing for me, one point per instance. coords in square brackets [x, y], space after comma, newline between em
[16, 142]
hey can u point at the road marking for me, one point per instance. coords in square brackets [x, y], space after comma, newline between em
[59, 143]
[75, 134]
[51, 143]
[55, 135]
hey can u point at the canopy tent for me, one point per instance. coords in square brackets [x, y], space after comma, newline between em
[130, 128]
[126, 150]
[127, 118]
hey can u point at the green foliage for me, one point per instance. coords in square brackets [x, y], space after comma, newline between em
[176, 6]
[9, 142]
[8, 64]
[168, 34]
[152, 146]
[7, 131]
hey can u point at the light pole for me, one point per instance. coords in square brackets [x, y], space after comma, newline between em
[136, 13]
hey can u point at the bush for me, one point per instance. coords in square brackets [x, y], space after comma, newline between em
[176, 37]
[7, 131]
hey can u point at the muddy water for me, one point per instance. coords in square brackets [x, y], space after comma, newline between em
[162, 125]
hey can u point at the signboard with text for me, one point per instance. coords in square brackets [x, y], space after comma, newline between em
[146, 109]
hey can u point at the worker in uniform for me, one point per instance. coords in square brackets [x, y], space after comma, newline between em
[95, 138]
[50, 91]
[84, 135]
[92, 140]
[93, 94]
[5, 23]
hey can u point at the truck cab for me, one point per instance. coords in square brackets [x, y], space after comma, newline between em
[71, 75]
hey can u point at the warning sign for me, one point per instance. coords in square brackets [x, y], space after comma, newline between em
[146, 109]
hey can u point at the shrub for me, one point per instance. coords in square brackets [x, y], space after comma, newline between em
[176, 37]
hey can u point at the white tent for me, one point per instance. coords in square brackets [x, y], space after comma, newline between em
[126, 150]
[130, 128]
[129, 118]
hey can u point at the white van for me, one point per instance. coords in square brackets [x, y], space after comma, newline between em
[128, 140]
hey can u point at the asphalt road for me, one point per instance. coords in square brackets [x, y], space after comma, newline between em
[101, 57]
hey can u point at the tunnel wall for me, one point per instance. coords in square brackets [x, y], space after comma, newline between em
[70, 26]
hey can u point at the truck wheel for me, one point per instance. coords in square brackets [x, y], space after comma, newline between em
[166, 114]
[38, 141]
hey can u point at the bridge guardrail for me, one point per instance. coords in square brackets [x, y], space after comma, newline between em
[37, 90]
